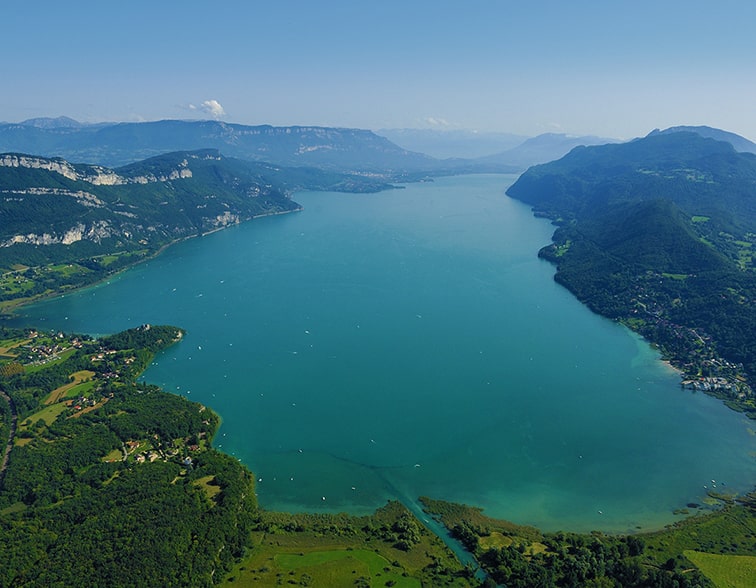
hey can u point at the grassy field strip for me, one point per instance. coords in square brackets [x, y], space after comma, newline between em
[48, 415]
[726, 571]
[209, 486]
[328, 567]
[78, 377]
[8, 345]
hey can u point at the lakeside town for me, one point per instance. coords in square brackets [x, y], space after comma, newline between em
[690, 351]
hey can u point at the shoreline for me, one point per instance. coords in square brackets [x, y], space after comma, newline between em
[8, 307]
[165, 246]
[671, 367]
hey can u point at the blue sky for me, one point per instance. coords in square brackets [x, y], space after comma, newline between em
[603, 67]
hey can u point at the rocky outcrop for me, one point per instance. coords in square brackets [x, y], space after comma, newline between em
[225, 219]
[51, 202]
[84, 198]
[96, 232]
[92, 174]
[176, 174]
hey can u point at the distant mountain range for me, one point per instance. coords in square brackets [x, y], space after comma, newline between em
[422, 153]
[453, 144]
[660, 233]
[60, 122]
[122, 143]
[355, 150]
[541, 149]
[490, 151]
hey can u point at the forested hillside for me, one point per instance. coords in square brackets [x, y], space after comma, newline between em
[65, 225]
[109, 481]
[659, 233]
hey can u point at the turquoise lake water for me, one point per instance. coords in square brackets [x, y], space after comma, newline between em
[411, 343]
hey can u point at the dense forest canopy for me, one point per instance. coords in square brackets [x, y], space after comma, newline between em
[659, 233]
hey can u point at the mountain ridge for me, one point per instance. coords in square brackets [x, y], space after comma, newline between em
[659, 233]
[739, 142]
[334, 148]
[543, 148]
[65, 225]
[72, 199]
[116, 144]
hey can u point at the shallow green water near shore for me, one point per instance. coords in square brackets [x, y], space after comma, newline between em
[411, 343]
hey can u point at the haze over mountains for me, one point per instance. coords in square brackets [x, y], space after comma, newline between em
[430, 152]
[122, 143]
[456, 143]
[396, 154]
[541, 149]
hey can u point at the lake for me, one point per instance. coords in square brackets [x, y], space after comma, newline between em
[411, 343]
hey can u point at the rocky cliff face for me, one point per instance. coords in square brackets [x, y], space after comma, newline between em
[99, 176]
[47, 202]
[84, 198]
[96, 231]
[92, 174]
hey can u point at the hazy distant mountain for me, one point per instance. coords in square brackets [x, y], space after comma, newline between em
[452, 144]
[122, 143]
[739, 143]
[543, 148]
[470, 152]
[61, 122]
[341, 149]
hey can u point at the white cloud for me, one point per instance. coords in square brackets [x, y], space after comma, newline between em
[437, 122]
[211, 107]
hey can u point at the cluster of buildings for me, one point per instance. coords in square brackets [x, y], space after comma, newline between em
[717, 384]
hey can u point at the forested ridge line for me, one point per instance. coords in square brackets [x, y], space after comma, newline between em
[659, 234]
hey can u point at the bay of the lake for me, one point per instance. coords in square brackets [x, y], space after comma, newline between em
[411, 343]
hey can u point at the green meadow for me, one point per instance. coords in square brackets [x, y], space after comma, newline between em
[726, 571]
